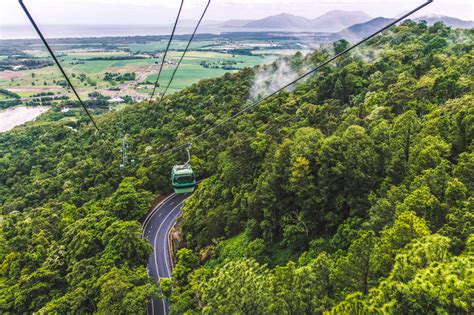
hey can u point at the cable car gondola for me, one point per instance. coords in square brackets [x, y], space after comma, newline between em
[182, 177]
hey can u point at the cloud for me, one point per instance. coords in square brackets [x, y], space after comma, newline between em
[271, 78]
[163, 11]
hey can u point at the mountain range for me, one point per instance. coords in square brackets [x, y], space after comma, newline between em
[354, 24]
[331, 21]
[360, 30]
[449, 21]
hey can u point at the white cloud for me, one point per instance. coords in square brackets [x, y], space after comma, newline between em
[164, 11]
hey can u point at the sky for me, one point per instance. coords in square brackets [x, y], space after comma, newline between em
[160, 12]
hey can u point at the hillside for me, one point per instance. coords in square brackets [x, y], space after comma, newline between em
[447, 20]
[337, 20]
[350, 194]
[361, 30]
[349, 23]
[282, 20]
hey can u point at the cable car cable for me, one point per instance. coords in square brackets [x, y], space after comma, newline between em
[184, 53]
[167, 48]
[65, 75]
[337, 56]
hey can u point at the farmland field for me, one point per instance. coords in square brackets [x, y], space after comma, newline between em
[127, 67]
[152, 47]
[191, 71]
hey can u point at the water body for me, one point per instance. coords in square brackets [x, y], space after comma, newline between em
[18, 115]
[81, 31]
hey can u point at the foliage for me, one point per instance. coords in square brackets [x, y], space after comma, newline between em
[367, 165]
[362, 173]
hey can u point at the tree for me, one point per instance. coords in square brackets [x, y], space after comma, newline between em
[347, 172]
[258, 250]
[407, 227]
[425, 205]
[464, 170]
[354, 272]
[459, 226]
[426, 279]
[180, 287]
[323, 283]
[419, 255]
[125, 291]
[400, 94]
[340, 45]
[404, 131]
[187, 262]
[78, 300]
[129, 201]
[122, 243]
[428, 153]
[239, 287]
[353, 304]
[301, 290]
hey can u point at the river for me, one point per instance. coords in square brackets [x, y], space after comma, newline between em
[18, 115]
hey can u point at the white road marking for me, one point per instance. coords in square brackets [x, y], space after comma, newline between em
[158, 231]
[144, 227]
[168, 230]
[155, 247]
[157, 208]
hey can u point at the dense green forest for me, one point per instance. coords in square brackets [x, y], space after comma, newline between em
[350, 194]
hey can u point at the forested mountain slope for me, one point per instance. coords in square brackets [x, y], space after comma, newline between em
[351, 193]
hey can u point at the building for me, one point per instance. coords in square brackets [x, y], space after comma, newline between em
[116, 100]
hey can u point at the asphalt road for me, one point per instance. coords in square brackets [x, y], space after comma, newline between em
[156, 229]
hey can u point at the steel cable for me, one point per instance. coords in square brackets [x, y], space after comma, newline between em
[184, 53]
[337, 56]
[166, 51]
[43, 39]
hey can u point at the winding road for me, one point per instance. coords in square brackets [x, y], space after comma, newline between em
[156, 229]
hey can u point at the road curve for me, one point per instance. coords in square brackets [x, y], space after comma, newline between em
[156, 229]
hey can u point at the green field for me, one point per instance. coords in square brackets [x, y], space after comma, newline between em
[153, 47]
[204, 60]
[191, 71]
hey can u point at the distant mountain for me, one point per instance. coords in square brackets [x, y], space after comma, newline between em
[449, 21]
[282, 20]
[234, 23]
[362, 30]
[337, 20]
[352, 25]
[331, 21]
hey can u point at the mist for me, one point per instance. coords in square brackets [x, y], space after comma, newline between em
[269, 79]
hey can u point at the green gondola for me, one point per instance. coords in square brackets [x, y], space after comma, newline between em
[182, 177]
